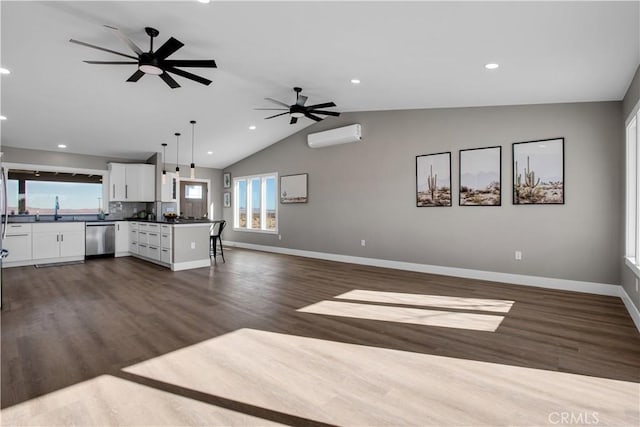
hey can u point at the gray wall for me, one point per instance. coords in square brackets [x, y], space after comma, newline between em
[366, 191]
[628, 278]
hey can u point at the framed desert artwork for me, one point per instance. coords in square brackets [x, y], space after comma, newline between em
[480, 177]
[293, 188]
[538, 172]
[433, 180]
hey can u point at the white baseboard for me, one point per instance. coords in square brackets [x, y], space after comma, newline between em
[631, 308]
[187, 265]
[517, 279]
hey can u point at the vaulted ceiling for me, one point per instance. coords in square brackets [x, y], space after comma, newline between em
[406, 54]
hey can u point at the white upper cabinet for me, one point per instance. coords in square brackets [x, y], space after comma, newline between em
[169, 188]
[132, 182]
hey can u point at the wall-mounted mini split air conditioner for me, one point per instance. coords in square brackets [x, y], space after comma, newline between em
[343, 135]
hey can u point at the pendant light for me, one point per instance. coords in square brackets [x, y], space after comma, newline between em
[164, 163]
[193, 165]
[177, 151]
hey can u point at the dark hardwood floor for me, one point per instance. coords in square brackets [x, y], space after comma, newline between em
[64, 325]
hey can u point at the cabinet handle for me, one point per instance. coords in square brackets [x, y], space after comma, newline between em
[114, 191]
[126, 191]
[118, 226]
[57, 237]
[153, 234]
[62, 237]
[17, 235]
[15, 226]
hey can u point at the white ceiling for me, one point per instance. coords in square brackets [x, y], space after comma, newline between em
[407, 55]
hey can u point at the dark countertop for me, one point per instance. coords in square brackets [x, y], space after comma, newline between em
[21, 219]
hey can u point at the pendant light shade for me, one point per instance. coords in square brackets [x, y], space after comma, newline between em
[193, 165]
[177, 155]
[164, 163]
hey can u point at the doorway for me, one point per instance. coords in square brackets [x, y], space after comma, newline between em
[194, 199]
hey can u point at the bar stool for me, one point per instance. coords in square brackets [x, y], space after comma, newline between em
[216, 235]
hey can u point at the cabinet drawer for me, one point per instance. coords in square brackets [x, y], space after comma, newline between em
[133, 225]
[165, 228]
[143, 249]
[19, 247]
[143, 237]
[154, 239]
[165, 255]
[165, 240]
[18, 229]
[153, 252]
[133, 247]
[153, 228]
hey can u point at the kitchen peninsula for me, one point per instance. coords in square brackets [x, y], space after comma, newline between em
[178, 245]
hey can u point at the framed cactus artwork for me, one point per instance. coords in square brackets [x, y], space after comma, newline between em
[433, 180]
[480, 177]
[538, 172]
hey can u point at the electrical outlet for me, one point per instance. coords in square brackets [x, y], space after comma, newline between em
[279, 236]
[193, 245]
[518, 255]
[363, 242]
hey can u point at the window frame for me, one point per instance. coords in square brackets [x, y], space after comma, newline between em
[263, 202]
[65, 169]
[632, 191]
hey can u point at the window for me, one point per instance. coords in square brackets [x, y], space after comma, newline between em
[31, 192]
[632, 243]
[255, 206]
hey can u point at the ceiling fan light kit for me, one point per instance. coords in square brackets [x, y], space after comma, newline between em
[154, 63]
[164, 163]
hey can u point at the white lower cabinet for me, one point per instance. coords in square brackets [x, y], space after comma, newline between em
[57, 241]
[18, 243]
[122, 238]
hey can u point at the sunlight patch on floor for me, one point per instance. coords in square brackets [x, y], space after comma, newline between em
[422, 300]
[416, 316]
[348, 384]
[110, 401]
[330, 382]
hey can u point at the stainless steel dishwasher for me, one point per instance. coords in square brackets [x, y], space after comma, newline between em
[100, 239]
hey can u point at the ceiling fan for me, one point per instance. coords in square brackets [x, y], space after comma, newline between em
[155, 63]
[299, 110]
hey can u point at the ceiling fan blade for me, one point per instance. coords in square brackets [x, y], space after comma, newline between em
[325, 105]
[125, 39]
[277, 102]
[301, 100]
[328, 113]
[293, 121]
[110, 62]
[169, 47]
[201, 63]
[188, 75]
[169, 80]
[135, 76]
[102, 48]
[312, 117]
[277, 115]
[272, 109]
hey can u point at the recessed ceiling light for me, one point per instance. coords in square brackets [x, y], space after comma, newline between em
[252, 127]
[4, 71]
[209, 152]
[355, 81]
[62, 146]
[204, 1]
[491, 66]
[3, 118]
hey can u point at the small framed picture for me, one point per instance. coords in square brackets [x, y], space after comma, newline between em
[226, 180]
[293, 188]
[227, 199]
[480, 177]
[433, 180]
[538, 172]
